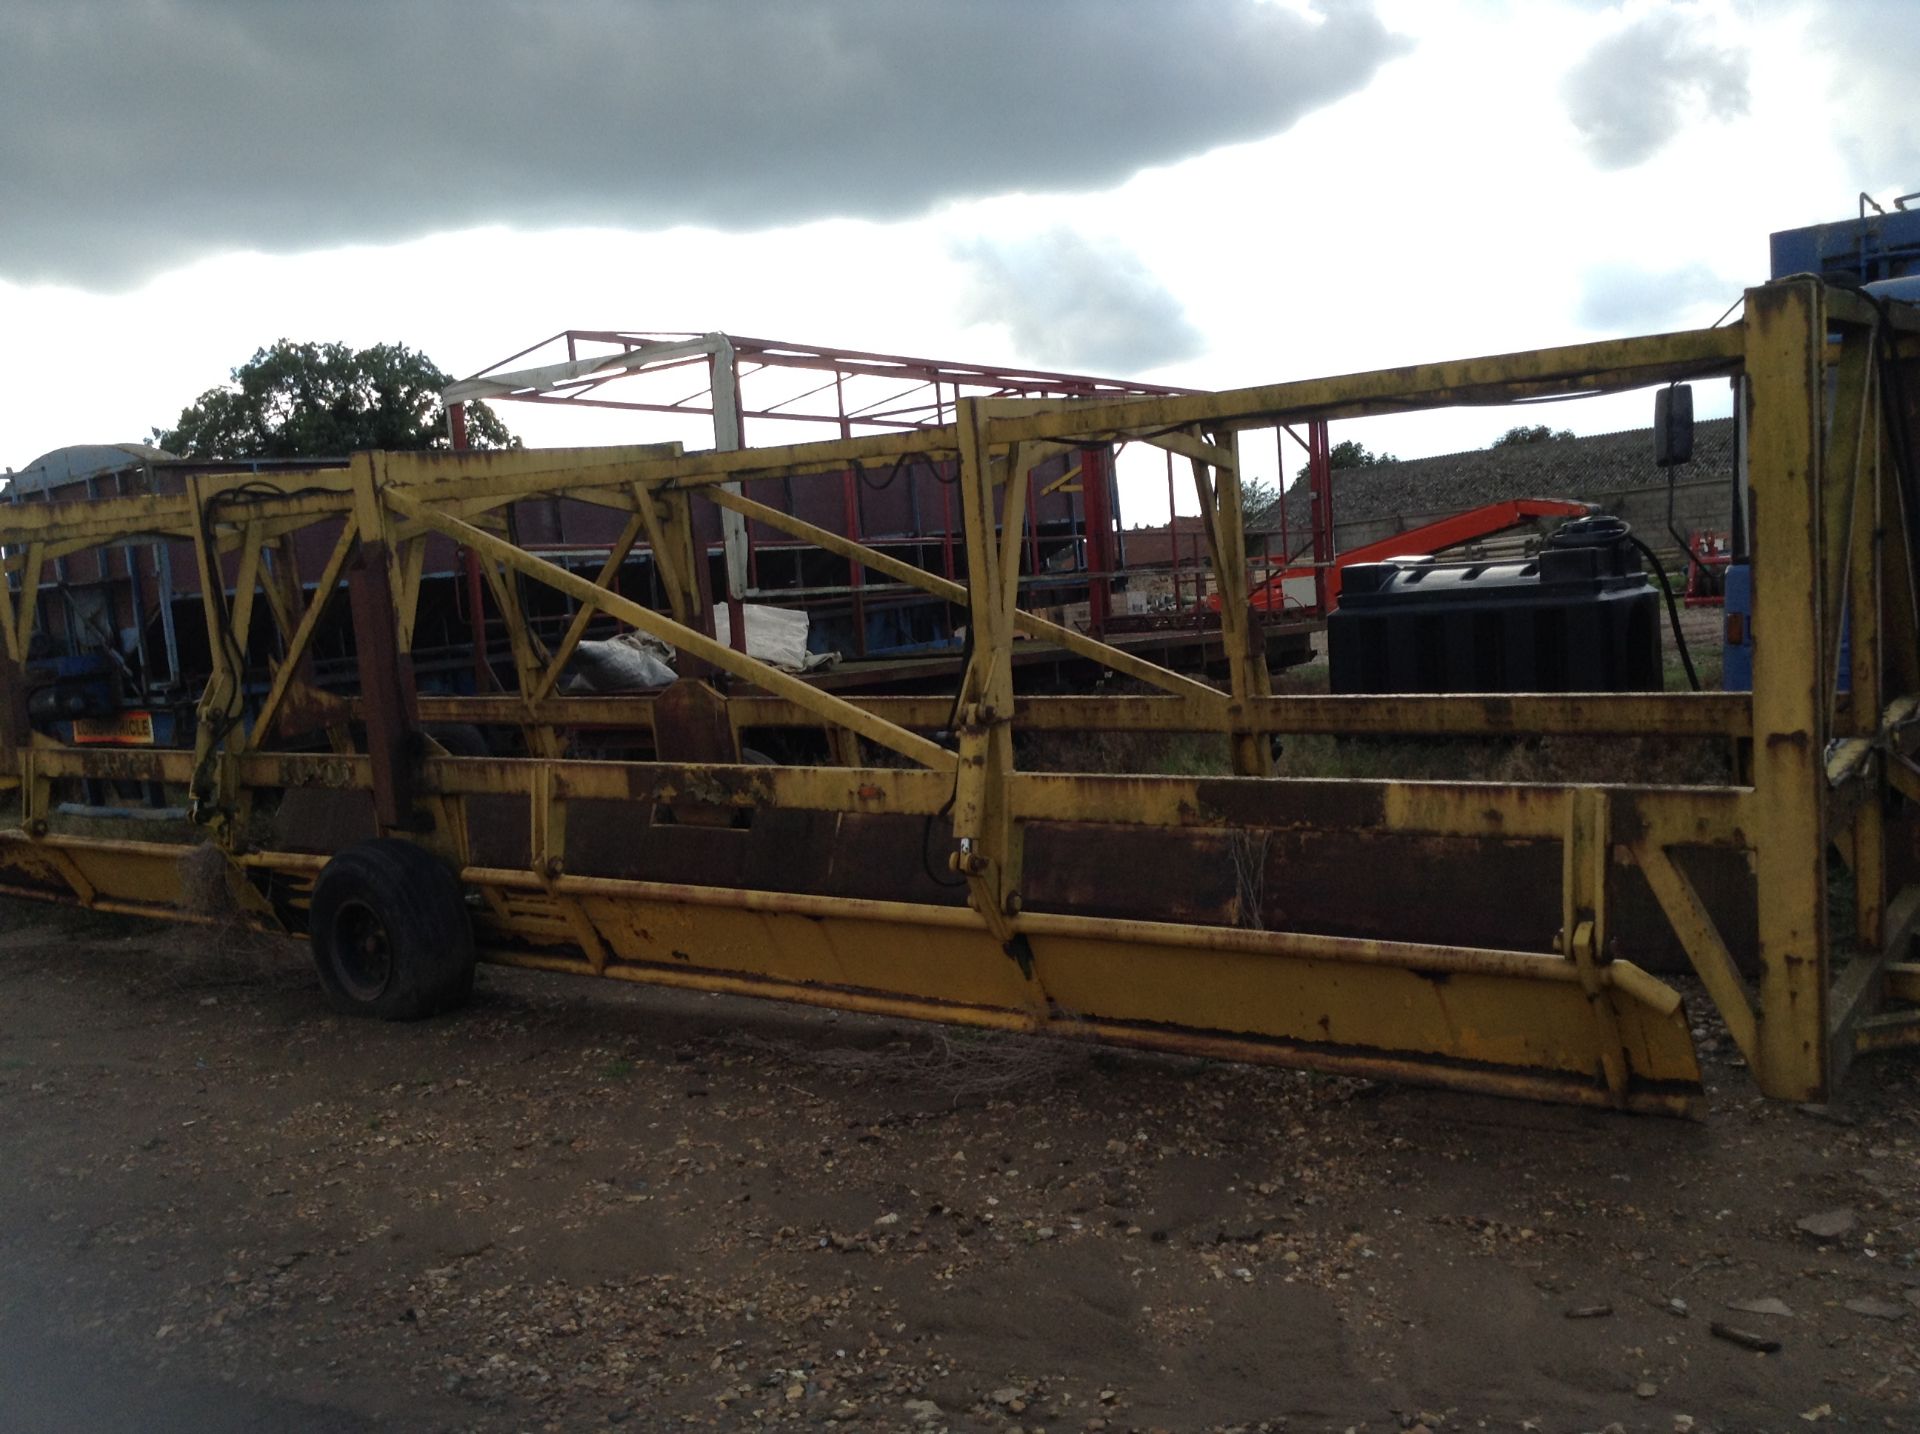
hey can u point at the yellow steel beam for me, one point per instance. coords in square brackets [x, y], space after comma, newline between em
[577, 629]
[1701, 940]
[21, 635]
[1846, 307]
[1684, 715]
[297, 645]
[1205, 698]
[1501, 1021]
[1680, 816]
[685, 638]
[1578, 367]
[1786, 334]
[1188, 446]
[433, 477]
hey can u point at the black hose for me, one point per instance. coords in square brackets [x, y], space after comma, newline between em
[1601, 530]
[1673, 610]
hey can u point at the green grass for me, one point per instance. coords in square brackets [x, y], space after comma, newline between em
[1165, 754]
[1659, 760]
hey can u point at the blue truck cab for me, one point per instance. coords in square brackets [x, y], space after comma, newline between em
[1879, 249]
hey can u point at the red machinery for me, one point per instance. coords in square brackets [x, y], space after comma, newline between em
[1435, 537]
[1708, 553]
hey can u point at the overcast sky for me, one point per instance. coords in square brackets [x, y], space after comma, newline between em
[1206, 192]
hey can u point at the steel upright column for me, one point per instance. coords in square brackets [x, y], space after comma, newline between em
[988, 839]
[1786, 343]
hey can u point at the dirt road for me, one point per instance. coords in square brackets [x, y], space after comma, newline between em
[578, 1206]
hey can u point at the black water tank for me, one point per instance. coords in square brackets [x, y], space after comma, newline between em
[1579, 617]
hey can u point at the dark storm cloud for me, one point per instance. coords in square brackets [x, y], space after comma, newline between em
[1076, 303]
[1632, 299]
[135, 134]
[1638, 87]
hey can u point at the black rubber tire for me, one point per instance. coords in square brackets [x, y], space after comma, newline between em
[390, 933]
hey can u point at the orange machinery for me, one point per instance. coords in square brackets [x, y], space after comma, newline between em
[1273, 595]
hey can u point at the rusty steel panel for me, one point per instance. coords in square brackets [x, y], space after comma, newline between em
[324, 820]
[389, 705]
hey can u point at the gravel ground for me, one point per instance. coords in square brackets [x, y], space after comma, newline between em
[1590, 467]
[579, 1206]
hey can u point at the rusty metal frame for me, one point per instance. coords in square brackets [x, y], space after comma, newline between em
[1575, 1021]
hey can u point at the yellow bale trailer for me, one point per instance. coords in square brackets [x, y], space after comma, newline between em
[1485, 935]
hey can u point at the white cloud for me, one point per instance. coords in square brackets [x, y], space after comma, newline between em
[1068, 301]
[1627, 297]
[1874, 49]
[1641, 85]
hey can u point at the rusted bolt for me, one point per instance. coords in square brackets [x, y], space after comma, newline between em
[38, 826]
[555, 866]
[1013, 903]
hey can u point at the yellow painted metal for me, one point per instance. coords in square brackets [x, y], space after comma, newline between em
[684, 638]
[1712, 962]
[1702, 714]
[1200, 697]
[1580, 368]
[1569, 1021]
[1786, 344]
[302, 636]
[29, 593]
[577, 629]
[1399, 1010]
[1218, 489]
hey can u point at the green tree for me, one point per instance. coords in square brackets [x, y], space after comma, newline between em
[1257, 495]
[1521, 434]
[326, 400]
[1348, 454]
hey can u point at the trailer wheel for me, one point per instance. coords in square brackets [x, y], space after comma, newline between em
[390, 932]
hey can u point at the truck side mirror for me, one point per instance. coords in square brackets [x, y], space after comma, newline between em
[1673, 425]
